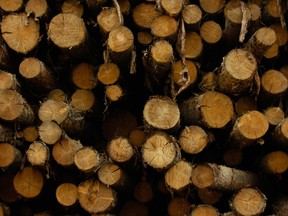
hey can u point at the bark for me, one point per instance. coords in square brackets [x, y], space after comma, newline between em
[178, 177]
[38, 154]
[256, 15]
[161, 113]
[5, 57]
[6, 134]
[248, 201]
[237, 72]
[210, 110]
[87, 159]
[21, 33]
[280, 205]
[246, 131]
[220, 177]
[28, 182]
[95, 197]
[15, 108]
[193, 139]
[208, 82]
[66, 194]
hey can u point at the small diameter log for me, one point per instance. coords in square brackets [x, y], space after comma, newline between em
[7, 190]
[87, 159]
[245, 104]
[232, 157]
[143, 191]
[237, 72]
[132, 207]
[137, 137]
[38, 154]
[246, 129]
[204, 209]
[28, 182]
[184, 75]
[272, 53]
[193, 46]
[273, 85]
[53, 110]
[280, 205]
[162, 113]
[271, 12]
[63, 151]
[10, 156]
[144, 14]
[120, 44]
[260, 42]
[212, 7]
[108, 20]
[83, 76]
[21, 33]
[83, 100]
[6, 133]
[114, 92]
[72, 6]
[62, 33]
[220, 177]
[160, 59]
[159, 150]
[164, 27]
[208, 82]
[39, 8]
[237, 17]
[192, 16]
[211, 110]
[14, 108]
[172, 8]
[57, 94]
[179, 206]
[274, 115]
[111, 174]
[281, 34]
[30, 133]
[275, 162]
[8, 81]
[280, 133]
[178, 177]
[108, 73]
[66, 194]
[193, 139]
[120, 150]
[248, 201]
[211, 32]
[95, 197]
[144, 38]
[50, 132]
[36, 73]
[11, 6]
[256, 15]
[209, 196]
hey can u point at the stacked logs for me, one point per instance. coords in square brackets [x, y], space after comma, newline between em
[143, 107]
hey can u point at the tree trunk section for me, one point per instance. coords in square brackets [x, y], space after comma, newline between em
[10, 156]
[280, 133]
[66, 194]
[84, 76]
[50, 132]
[192, 15]
[275, 162]
[39, 8]
[8, 81]
[204, 209]
[209, 196]
[120, 150]
[38, 154]
[87, 159]
[164, 27]
[179, 206]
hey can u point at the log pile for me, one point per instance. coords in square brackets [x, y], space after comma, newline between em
[154, 107]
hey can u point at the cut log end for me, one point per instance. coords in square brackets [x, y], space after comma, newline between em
[209, 196]
[161, 113]
[202, 176]
[274, 115]
[164, 27]
[87, 159]
[111, 174]
[108, 20]
[66, 194]
[159, 151]
[30, 133]
[120, 150]
[204, 209]
[108, 73]
[38, 154]
[82, 100]
[182, 77]
[212, 7]
[9, 155]
[49, 132]
[21, 33]
[211, 32]
[179, 206]
[273, 82]
[114, 92]
[193, 46]
[275, 162]
[172, 8]
[83, 76]
[192, 15]
[72, 6]
[11, 6]
[39, 8]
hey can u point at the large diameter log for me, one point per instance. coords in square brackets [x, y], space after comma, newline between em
[248, 201]
[28, 182]
[178, 177]
[20, 32]
[261, 41]
[211, 110]
[246, 129]
[161, 113]
[95, 197]
[159, 151]
[237, 72]
[14, 108]
[220, 177]
[10, 156]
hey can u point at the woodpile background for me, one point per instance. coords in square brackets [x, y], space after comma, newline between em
[156, 107]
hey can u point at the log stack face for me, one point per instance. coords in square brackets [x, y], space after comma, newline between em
[151, 107]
